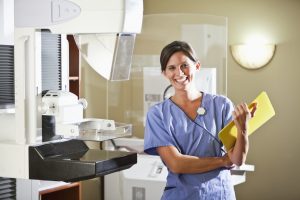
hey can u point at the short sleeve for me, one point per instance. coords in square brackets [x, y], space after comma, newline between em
[156, 132]
[227, 112]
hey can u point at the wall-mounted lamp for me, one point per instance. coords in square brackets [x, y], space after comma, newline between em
[253, 56]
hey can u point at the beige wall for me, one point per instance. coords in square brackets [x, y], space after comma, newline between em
[275, 146]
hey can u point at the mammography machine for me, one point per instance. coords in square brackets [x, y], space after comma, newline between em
[43, 136]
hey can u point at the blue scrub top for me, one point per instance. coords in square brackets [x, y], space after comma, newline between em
[168, 125]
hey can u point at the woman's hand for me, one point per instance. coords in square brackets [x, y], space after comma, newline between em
[227, 162]
[241, 116]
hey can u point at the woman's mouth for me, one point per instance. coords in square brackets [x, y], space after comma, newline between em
[181, 79]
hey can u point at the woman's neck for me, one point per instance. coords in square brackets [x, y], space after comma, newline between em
[186, 96]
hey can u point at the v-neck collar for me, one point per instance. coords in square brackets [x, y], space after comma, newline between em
[203, 102]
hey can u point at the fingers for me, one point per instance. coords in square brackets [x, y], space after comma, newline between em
[227, 161]
[241, 115]
[243, 108]
[253, 107]
[241, 111]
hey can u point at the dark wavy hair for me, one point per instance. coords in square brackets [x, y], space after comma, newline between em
[174, 47]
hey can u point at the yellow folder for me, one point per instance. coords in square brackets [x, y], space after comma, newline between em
[264, 112]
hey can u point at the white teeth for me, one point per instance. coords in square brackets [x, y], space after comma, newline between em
[182, 79]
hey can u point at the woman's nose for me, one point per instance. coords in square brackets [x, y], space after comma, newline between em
[179, 71]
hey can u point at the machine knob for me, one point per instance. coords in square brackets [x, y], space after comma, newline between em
[83, 102]
[44, 107]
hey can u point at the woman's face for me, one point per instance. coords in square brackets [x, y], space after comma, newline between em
[180, 70]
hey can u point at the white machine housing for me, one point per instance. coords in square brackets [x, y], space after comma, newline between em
[79, 16]
[64, 105]
[67, 110]
[117, 21]
[93, 16]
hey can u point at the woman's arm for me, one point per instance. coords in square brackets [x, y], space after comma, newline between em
[241, 115]
[182, 164]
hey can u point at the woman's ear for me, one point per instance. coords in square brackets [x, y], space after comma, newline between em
[198, 65]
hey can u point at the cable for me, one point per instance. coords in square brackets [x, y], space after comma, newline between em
[211, 135]
[201, 112]
[166, 91]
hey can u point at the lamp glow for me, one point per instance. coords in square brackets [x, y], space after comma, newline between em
[253, 56]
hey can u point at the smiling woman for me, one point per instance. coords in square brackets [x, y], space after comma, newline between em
[186, 138]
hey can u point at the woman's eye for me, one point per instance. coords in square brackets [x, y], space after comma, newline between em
[184, 65]
[171, 67]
